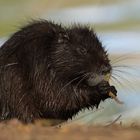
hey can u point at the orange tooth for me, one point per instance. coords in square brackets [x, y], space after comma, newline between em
[115, 98]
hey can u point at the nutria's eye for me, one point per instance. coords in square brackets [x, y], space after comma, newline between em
[82, 51]
[63, 37]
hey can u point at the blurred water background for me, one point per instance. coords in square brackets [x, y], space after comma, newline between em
[117, 24]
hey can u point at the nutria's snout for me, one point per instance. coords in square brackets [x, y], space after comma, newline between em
[95, 79]
[101, 74]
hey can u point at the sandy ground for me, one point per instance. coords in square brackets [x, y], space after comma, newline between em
[14, 130]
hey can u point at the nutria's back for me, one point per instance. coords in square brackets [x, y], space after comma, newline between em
[50, 71]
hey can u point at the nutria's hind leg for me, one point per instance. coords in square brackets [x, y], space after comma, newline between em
[22, 109]
[26, 112]
[16, 98]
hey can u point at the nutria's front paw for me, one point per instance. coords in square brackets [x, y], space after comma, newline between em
[104, 88]
[113, 90]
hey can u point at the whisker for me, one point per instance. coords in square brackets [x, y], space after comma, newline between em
[59, 93]
[119, 59]
[122, 72]
[68, 84]
[129, 74]
[123, 57]
[122, 77]
[84, 76]
[122, 66]
[117, 81]
[113, 81]
[8, 65]
[128, 84]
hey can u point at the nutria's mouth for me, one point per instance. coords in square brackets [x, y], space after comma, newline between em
[115, 98]
[96, 79]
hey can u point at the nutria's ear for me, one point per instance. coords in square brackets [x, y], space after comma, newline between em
[63, 37]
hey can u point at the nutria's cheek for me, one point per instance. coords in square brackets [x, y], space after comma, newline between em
[95, 80]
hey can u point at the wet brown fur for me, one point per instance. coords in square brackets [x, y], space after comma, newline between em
[37, 67]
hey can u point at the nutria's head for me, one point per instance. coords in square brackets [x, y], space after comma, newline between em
[80, 55]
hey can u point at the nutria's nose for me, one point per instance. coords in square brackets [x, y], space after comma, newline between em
[105, 69]
[107, 77]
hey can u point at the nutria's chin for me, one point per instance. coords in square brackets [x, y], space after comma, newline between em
[49, 71]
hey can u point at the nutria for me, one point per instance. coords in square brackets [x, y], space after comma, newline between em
[52, 72]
